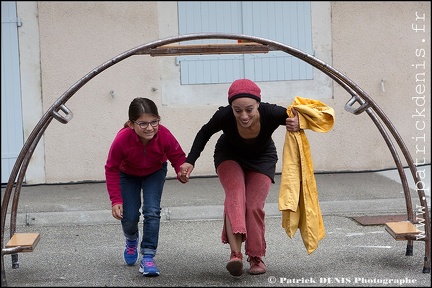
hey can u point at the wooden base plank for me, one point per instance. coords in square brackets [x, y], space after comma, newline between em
[402, 230]
[26, 240]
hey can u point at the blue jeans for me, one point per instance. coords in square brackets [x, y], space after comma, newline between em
[152, 187]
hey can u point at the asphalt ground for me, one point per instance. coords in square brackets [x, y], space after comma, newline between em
[82, 245]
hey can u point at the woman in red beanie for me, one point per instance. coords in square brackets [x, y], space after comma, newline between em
[245, 160]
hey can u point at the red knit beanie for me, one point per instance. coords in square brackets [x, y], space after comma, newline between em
[244, 88]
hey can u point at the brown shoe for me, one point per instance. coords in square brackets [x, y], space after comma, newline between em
[235, 264]
[257, 266]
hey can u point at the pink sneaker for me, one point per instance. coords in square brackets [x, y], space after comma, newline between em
[235, 264]
[257, 266]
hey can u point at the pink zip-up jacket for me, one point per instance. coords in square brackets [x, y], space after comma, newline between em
[127, 154]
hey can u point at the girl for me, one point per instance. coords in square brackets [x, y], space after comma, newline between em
[137, 161]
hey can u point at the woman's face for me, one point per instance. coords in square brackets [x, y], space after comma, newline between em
[245, 110]
[145, 126]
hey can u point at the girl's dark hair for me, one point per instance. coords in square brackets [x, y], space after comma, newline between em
[139, 106]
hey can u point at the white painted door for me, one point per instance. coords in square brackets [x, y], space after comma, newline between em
[11, 112]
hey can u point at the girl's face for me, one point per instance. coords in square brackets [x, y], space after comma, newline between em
[145, 126]
[245, 111]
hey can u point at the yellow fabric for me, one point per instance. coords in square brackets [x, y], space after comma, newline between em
[298, 195]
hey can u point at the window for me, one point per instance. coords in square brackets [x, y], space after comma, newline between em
[285, 21]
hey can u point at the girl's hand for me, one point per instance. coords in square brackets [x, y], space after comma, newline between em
[117, 211]
[185, 171]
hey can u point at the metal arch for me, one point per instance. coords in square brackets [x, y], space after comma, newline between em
[358, 96]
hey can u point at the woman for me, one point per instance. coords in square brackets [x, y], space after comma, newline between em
[245, 160]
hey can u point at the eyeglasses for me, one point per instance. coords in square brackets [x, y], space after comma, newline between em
[144, 125]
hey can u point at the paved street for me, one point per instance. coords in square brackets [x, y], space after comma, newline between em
[81, 243]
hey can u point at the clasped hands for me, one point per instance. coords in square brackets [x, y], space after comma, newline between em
[185, 171]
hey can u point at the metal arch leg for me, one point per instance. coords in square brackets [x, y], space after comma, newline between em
[409, 248]
[3, 273]
[15, 262]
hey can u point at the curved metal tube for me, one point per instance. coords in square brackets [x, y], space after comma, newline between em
[358, 95]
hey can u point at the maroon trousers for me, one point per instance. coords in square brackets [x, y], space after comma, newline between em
[245, 195]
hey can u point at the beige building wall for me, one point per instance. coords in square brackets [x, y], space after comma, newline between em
[379, 45]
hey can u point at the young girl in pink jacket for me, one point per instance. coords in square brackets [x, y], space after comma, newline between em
[137, 161]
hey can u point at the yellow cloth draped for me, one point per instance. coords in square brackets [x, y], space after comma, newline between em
[298, 195]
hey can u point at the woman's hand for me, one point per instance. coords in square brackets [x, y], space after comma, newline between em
[185, 171]
[293, 124]
[117, 211]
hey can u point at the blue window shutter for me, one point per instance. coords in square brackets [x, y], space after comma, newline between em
[285, 21]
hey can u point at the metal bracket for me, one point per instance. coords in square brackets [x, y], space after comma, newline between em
[356, 111]
[63, 118]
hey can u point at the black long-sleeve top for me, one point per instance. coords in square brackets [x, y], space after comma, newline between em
[257, 154]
